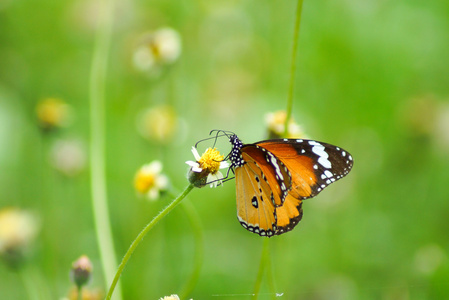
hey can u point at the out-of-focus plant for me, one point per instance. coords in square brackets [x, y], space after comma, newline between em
[53, 113]
[18, 229]
[149, 181]
[156, 50]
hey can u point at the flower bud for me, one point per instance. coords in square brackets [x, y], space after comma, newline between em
[81, 271]
[198, 179]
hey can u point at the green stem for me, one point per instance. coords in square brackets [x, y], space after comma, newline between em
[80, 293]
[293, 66]
[34, 283]
[97, 142]
[199, 251]
[140, 237]
[270, 276]
[263, 264]
[31, 285]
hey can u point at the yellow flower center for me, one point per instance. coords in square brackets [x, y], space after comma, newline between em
[52, 112]
[210, 160]
[144, 181]
[155, 50]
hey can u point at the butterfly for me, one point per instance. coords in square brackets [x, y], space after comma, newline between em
[273, 177]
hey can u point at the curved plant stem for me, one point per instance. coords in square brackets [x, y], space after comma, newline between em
[199, 245]
[293, 66]
[97, 142]
[270, 277]
[80, 293]
[264, 259]
[140, 237]
[32, 284]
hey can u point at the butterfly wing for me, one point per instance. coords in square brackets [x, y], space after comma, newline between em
[264, 205]
[255, 209]
[288, 215]
[313, 165]
[276, 175]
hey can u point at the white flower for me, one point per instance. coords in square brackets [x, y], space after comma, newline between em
[158, 48]
[68, 157]
[207, 165]
[159, 123]
[18, 228]
[149, 181]
[169, 43]
[276, 125]
[194, 164]
[215, 179]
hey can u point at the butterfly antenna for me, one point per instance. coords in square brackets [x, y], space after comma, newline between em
[219, 133]
[210, 138]
[216, 137]
[225, 132]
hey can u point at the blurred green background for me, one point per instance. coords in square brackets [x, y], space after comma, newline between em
[373, 78]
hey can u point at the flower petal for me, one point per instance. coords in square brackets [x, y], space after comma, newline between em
[161, 182]
[224, 164]
[192, 163]
[211, 178]
[195, 166]
[219, 175]
[195, 153]
[153, 193]
[155, 167]
[215, 179]
[197, 169]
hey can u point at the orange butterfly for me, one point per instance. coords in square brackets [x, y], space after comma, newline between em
[274, 176]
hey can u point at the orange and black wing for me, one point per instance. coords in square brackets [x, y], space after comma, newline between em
[255, 209]
[264, 205]
[313, 165]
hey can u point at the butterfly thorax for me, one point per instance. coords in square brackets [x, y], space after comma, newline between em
[236, 154]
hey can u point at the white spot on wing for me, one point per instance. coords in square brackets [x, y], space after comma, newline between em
[325, 162]
[328, 173]
[319, 150]
[276, 166]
